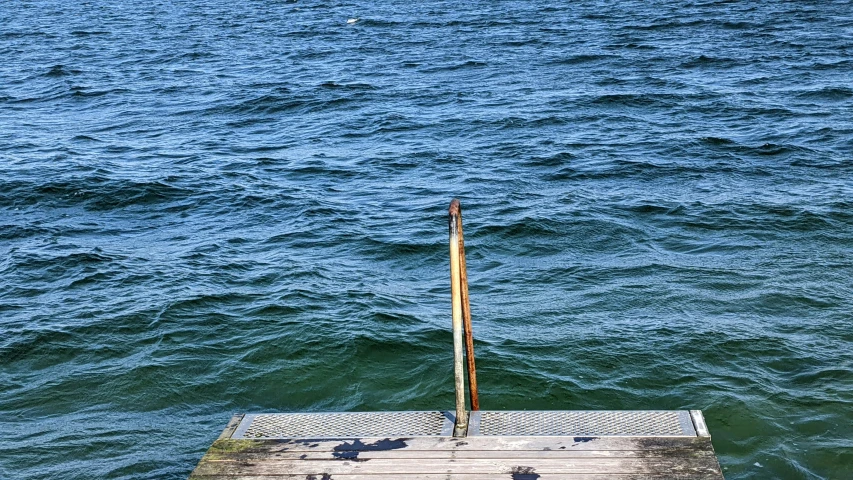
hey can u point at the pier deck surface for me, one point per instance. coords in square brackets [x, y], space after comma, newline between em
[256, 447]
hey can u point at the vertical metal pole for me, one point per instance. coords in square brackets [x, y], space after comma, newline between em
[466, 321]
[461, 426]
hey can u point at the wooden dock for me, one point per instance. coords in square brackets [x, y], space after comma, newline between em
[511, 445]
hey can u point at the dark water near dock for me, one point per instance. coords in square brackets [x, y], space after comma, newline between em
[216, 207]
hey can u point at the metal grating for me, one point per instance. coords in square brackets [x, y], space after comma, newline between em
[582, 423]
[345, 425]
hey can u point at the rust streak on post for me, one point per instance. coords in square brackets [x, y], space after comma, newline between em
[466, 315]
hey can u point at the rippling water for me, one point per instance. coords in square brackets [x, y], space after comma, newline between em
[210, 207]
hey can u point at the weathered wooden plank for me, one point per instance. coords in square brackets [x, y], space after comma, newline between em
[461, 444]
[475, 476]
[655, 465]
[450, 454]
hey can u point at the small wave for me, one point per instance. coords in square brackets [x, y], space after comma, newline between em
[738, 25]
[635, 46]
[828, 93]
[636, 169]
[196, 55]
[652, 209]
[348, 86]
[84, 138]
[32, 343]
[403, 252]
[514, 122]
[785, 302]
[34, 33]
[775, 113]
[16, 232]
[61, 71]
[470, 64]
[707, 61]
[776, 149]
[757, 80]
[94, 192]
[523, 43]
[265, 104]
[666, 25]
[759, 217]
[274, 310]
[86, 33]
[839, 65]
[716, 141]
[638, 99]
[556, 160]
[322, 170]
[821, 376]
[85, 92]
[526, 228]
[376, 22]
[581, 59]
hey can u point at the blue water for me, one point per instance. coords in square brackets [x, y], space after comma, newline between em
[211, 207]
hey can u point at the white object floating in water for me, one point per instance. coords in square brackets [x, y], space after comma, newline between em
[350, 21]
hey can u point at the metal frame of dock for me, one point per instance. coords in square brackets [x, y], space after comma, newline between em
[519, 445]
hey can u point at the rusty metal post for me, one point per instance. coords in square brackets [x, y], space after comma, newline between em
[466, 318]
[461, 426]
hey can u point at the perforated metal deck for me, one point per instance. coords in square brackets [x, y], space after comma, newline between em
[648, 423]
[345, 425]
[484, 423]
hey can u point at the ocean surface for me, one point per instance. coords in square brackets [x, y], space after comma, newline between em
[210, 207]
